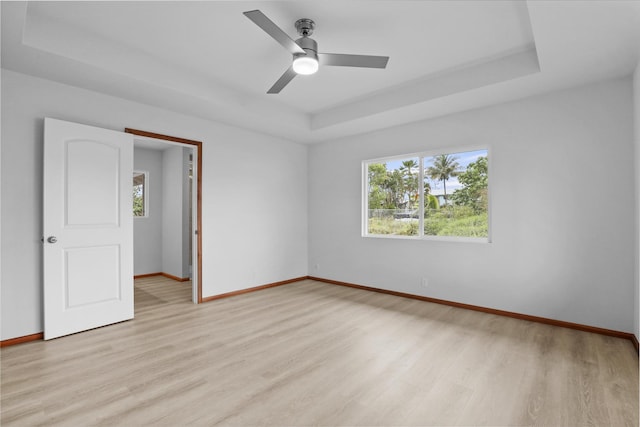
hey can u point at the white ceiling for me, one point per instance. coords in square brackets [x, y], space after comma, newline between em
[207, 59]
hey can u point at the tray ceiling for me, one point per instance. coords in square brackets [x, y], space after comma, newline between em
[206, 59]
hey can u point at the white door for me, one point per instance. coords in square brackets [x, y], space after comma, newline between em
[88, 227]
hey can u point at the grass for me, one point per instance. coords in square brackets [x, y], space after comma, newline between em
[393, 226]
[459, 223]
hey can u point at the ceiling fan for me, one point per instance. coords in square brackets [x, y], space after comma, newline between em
[306, 58]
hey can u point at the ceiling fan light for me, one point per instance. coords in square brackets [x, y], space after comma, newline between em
[305, 65]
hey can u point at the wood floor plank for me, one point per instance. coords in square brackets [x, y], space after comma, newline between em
[310, 353]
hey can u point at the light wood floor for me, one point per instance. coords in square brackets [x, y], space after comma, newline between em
[310, 353]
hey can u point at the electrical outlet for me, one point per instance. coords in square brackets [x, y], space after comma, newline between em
[424, 282]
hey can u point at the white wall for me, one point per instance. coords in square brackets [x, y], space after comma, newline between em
[147, 231]
[636, 97]
[562, 216]
[186, 214]
[254, 193]
[173, 210]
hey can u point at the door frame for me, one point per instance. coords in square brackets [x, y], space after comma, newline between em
[198, 146]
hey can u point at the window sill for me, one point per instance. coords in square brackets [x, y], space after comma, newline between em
[455, 239]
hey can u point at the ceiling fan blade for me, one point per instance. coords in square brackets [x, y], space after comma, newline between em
[344, 60]
[283, 81]
[261, 20]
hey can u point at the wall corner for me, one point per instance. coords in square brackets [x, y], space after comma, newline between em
[636, 146]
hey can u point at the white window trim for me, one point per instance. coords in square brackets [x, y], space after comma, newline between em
[146, 194]
[421, 155]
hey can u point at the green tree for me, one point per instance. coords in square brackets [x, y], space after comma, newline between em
[394, 187]
[138, 201]
[377, 176]
[430, 203]
[443, 167]
[474, 189]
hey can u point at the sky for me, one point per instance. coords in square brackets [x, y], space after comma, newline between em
[453, 184]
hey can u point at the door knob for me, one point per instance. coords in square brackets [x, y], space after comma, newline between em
[52, 239]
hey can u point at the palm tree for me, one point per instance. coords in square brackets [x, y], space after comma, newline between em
[408, 165]
[410, 182]
[443, 167]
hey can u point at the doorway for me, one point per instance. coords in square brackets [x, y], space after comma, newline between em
[183, 162]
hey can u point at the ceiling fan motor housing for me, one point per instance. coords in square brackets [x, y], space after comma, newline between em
[309, 46]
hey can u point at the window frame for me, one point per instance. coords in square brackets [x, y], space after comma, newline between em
[145, 193]
[364, 188]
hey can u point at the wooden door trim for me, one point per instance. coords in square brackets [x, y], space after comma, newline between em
[198, 146]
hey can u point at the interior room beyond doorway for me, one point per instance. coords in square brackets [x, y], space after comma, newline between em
[165, 226]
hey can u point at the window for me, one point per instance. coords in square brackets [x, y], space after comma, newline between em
[140, 194]
[444, 195]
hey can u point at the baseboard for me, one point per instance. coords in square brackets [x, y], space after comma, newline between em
[634, 340]
[176, 278]
[142, 276]
[553, 322]
[167, 275]
[254, 289]
[20, 340]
